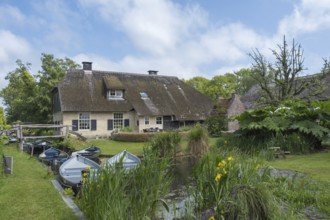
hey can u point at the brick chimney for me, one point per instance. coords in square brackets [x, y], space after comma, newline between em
[152, 72]
[87, 65]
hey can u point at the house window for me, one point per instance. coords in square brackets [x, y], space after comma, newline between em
[115, 94]
[84, 121]
[117, 120]
[146, 120]
[159, 120]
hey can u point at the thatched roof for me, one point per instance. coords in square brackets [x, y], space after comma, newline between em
[166, 95]
[252, 98]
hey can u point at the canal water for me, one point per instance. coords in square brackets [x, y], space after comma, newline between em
[180, 200]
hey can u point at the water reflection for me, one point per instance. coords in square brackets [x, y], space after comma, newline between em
[179, 201]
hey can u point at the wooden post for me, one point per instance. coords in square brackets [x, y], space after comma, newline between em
[32, 151]
[20, 137]
[66, 131]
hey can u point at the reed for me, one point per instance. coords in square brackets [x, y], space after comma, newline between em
[135, 194]
[230, 184]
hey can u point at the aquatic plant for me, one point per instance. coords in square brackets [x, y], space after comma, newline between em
[115, 193]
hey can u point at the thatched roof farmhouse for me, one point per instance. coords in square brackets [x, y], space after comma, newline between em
[99, 102]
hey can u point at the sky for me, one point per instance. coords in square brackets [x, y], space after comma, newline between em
[183, 38]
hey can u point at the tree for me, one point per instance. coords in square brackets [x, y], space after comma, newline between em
[53, 70]
[198, 82]
[283, 80]
[19, 95]
[244, 81]
[27, 97]
[2, 119]
[221, 86]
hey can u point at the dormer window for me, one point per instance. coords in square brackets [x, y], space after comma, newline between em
[144, 95]
[115, 94]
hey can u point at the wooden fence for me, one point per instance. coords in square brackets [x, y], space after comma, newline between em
[63, 131]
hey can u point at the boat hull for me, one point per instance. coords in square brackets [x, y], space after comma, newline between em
[90, 152]
[70, 172]
[51, 155]
[125, 159]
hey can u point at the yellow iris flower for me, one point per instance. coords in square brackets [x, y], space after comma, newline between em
[222, 163]
[218, 177]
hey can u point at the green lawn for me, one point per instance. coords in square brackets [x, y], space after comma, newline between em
[28, 193]
[317, 164]
[110, 147]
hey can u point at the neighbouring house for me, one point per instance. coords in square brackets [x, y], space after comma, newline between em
[96, 103]
[231, 107]
[253, 99]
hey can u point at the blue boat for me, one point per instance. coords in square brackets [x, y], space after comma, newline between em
[124, 159]
[70, 172]
[52, 154]
[91, 152]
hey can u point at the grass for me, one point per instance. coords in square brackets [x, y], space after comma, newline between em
[28, 193]
[110, 147]
[316, 164]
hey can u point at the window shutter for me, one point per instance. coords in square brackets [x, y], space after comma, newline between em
[93, 123]
[74, 125]
[126, 123]
[110, 124]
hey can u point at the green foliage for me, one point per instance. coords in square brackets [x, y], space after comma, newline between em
[244, 81]
[301, 192]
[166, 144]
[250, 202]
[295, 126]
[238, 186]
[282, 79]
[230, 184]
[198, 140]
[217, 122]
[132, 137]
[28, 96]
[221, 86]
[198, 82]
[52, 71]
[2, 119]
[116, 194]
[19, 95]
[224, 85]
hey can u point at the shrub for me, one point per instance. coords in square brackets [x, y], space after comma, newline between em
[166, 144]
[198, 140]
[295, 126]
[132, 137]
[233, 187]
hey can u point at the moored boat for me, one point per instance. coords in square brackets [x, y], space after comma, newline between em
[124, 159]
[52, 154]
[91, 152]
[70, 172]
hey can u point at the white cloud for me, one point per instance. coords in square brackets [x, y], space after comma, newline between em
[174, 37]
[12, 46]
[308, 16]
[165, 66]
[10, 15]
[154, 26]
